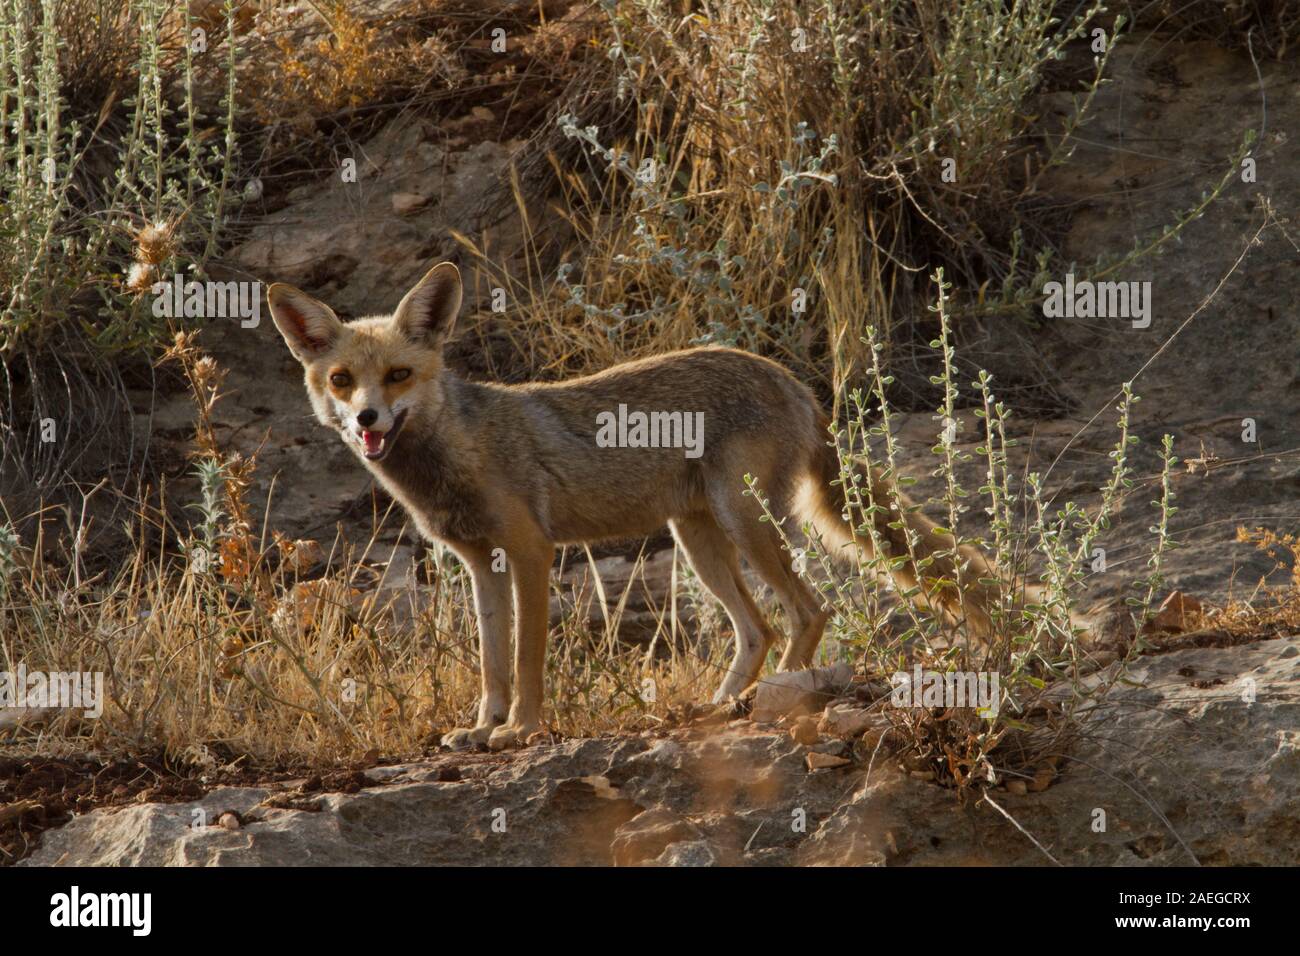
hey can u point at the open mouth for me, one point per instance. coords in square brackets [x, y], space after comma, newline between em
[377, 444]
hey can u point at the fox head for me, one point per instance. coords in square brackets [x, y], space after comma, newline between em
[366, 378]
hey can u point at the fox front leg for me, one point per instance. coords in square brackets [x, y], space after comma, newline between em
[492, 608]
[531, 580]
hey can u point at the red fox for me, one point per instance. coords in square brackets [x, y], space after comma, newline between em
[524, 468]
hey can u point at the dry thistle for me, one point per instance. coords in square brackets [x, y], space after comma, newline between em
[205, 369]
[155, 243]
[140, 278]
[1270, 542]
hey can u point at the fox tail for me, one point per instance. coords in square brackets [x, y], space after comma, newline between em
[956, 581]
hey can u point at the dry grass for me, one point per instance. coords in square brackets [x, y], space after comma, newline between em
[322, 58]
[780, 179]
[221, 640]
[227, 646]
[1271, 608]
[315, 672]
[328, 71]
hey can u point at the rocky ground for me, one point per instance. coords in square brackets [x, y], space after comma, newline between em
[1196, 760]
[1198, 763]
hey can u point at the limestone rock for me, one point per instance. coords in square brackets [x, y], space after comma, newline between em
[648, 834]
[778, 694]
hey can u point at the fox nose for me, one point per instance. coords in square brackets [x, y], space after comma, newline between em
[367, 417]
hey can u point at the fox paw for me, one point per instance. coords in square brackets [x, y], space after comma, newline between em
[467, 737]
[511, 735]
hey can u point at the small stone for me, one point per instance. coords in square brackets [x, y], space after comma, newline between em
[778, 694]
[688, 853]
[229, 821]
[601, 787]
[404, 203]
[648, 834]
[846, 721]
[804, 731]
[1018, 787]
[1042, 780]
[301, 555]
[817, 761]
[1175, 614]
[840, 748]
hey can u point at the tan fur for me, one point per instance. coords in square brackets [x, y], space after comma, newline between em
[482, 466]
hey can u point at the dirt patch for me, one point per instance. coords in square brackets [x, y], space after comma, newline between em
[39, 793]
[1208, 637]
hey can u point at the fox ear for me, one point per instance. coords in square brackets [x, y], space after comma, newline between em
[309, 326]
[428, 311]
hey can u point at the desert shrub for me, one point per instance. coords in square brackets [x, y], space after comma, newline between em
[779, 177]
[71, 214]
[111, 176]
[329, 57]
[1039, 553]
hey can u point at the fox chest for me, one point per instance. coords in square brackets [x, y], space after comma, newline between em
[442, 500]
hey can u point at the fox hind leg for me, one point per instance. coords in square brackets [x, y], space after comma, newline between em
[760, 545]
[714, 558]
[759, 542]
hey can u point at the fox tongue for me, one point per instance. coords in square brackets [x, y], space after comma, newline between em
[374, 441]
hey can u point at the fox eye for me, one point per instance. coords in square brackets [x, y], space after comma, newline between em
[398, 374]
[340, 379]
